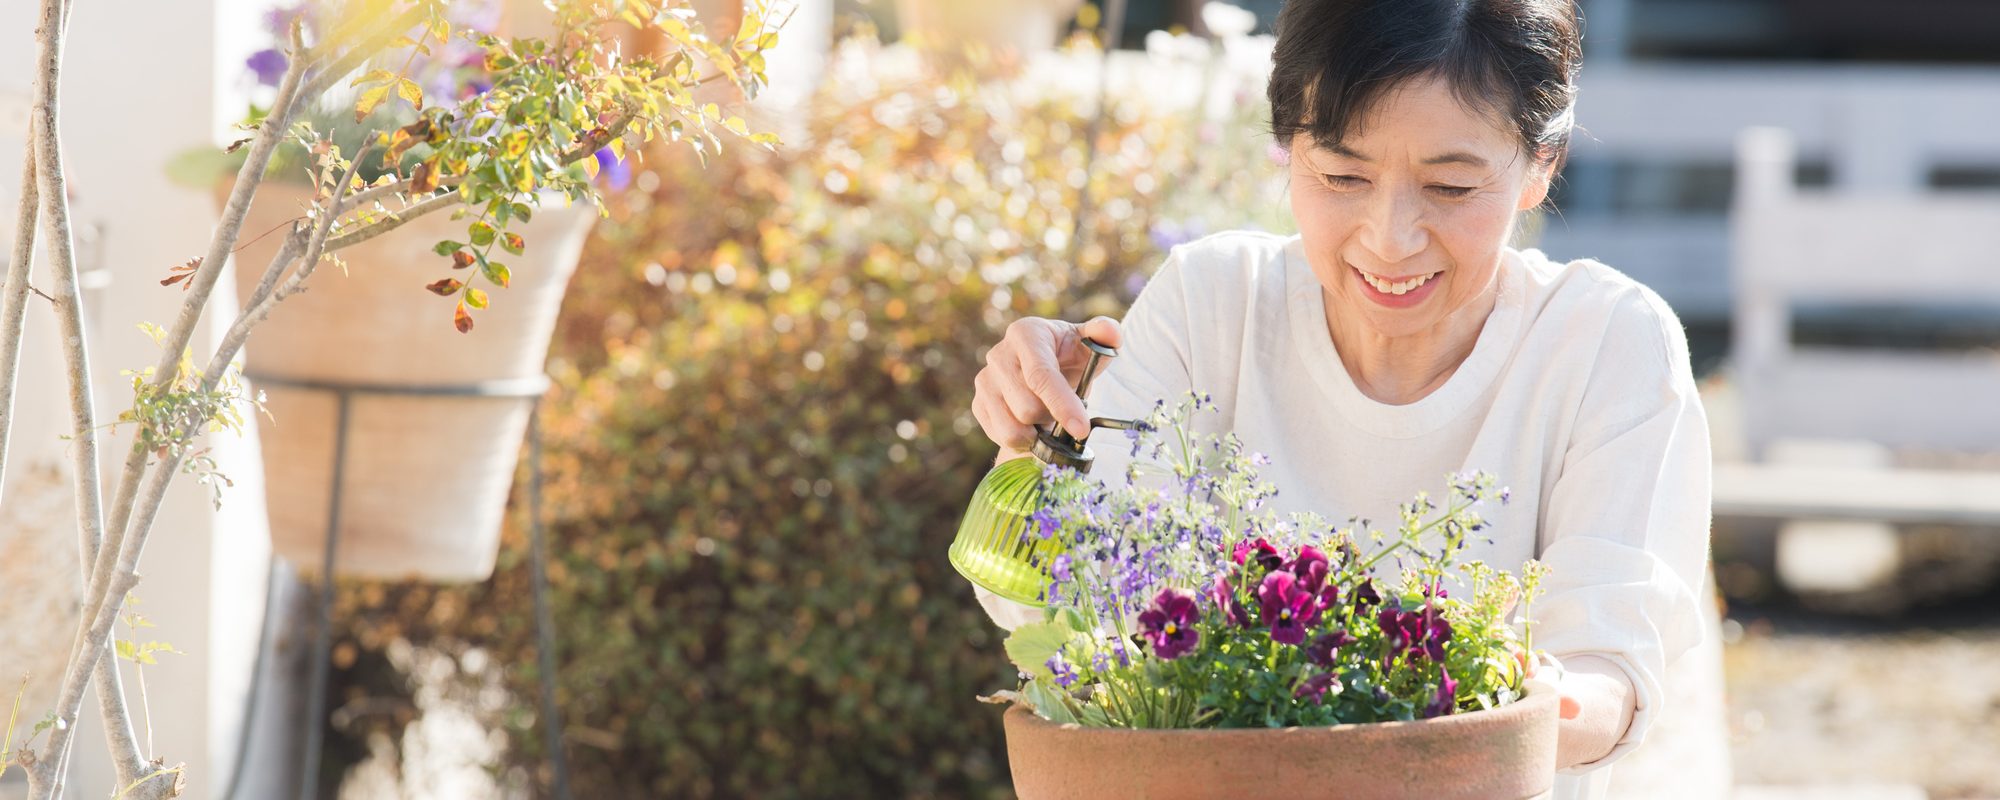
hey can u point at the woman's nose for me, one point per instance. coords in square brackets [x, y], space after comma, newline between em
[1393, 229]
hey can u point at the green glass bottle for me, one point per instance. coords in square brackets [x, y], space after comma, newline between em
[995, 548]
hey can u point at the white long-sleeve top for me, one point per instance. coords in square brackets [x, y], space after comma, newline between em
[1578, 396]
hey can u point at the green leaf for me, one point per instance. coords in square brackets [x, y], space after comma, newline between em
[482, 233]
[1047, 699]
[512, 242]
[497, 273]
[1032, 645]
[523, 213]
[447, 247]
[475, 298]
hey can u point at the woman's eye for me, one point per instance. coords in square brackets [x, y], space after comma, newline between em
[1453, 191]
[1344, 181]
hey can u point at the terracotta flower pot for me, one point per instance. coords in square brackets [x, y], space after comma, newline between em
[1508, 752]
[427, 478]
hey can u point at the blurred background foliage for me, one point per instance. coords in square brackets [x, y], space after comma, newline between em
[759, 443]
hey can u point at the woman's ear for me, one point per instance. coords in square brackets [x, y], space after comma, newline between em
[1536, 189]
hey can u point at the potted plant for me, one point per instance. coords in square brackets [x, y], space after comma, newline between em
[1192, 646]
[456, 110]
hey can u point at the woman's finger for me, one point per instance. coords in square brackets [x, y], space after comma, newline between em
[1025, 405]
[1041, 372]
[994, 418]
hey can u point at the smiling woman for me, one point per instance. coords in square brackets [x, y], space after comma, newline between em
[1399, 338]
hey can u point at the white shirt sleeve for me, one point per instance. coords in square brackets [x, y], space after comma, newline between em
[1625, 526]
[1152, 364]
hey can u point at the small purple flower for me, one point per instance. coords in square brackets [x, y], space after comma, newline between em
[1059, 568]
[1316, 687]
[1286, 607]
[268, 65]
[612, 170]
[1506, 494]
[1046, 522]
[1223, 592]
[1447, 697]
[1168, 624]
[1326, 645]
[1065, 672]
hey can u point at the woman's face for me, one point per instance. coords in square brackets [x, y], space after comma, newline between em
[1404, 225]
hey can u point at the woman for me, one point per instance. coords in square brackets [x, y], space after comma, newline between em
[1398, 338]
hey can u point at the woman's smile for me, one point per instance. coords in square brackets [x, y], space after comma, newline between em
[1397, 292]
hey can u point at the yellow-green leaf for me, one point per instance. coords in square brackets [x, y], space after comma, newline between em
[475, 298]
[375, 76]
[497, 273]
[409, 90]
[736, 124]
[369, 99]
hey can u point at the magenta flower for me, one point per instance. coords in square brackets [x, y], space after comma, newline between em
[1265, 554]
[1311, 568]
[1168, 624]
[1447, 697]
[1223, 592]
[1286, 607]
[1316, 687]
[1324, 646]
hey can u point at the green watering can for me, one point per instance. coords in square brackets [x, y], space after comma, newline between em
[995, 548]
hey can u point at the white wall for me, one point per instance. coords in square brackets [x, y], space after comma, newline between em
[142, 81]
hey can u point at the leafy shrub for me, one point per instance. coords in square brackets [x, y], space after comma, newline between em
[760, 444]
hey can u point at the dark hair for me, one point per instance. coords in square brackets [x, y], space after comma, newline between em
[1516, 58]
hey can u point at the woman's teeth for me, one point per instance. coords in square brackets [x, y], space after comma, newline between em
[1396, 287]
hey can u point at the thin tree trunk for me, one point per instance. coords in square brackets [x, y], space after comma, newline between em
[14, 308]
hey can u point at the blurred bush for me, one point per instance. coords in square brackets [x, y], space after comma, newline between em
[760, 443]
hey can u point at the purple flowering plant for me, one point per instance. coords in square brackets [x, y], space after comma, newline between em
[1182, 602]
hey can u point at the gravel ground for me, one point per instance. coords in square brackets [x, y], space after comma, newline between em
[1825, 699]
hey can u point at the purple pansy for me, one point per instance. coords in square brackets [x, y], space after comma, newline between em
[1223, 592]
[1287, 608]
[1366, 596]
[1168, 624]
[1324, 646]
[1311, 567]
[1265, 554]
[1446, 700]
[1316, 687]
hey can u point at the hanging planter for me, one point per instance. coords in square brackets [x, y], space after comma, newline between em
[426, 477]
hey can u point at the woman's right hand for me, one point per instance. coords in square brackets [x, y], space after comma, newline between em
[1030, 379]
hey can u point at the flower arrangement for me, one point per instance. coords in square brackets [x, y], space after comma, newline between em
[1179, 603]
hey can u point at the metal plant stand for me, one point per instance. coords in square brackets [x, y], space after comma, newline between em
[525, 389]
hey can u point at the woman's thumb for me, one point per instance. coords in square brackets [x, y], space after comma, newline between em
[1104, 331]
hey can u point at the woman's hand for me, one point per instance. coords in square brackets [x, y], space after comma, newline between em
[1030, 379]
[1596, 706]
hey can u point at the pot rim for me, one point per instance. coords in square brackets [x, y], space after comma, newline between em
[1535, 695]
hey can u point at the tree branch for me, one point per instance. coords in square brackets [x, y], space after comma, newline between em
[13, 310]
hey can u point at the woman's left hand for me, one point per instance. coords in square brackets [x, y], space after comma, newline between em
[1596, 706]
